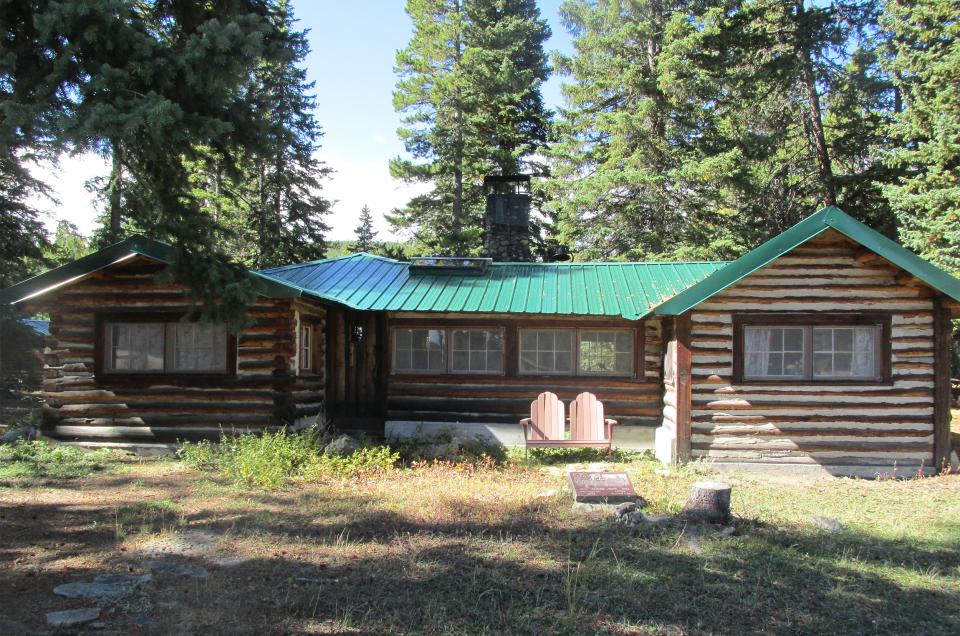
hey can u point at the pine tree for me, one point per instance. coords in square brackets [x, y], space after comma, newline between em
[699, 129]
[469, 90]
[68, 244]
[154, 85]
[366, 235]
[924, 61]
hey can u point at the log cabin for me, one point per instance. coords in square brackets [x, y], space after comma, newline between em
[826, 348]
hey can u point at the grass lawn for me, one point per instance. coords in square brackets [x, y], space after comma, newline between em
[438, 549]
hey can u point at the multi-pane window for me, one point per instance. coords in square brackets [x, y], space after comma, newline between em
[606, 352]
[165, 347]
[480, 350]
[419, 350]
[477, 351]
[774, 352]
[546, 351]
[306, 347]
[811, 352]
[136, 346]
[845, 352]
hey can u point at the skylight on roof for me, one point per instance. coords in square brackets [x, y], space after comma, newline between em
[449, 265]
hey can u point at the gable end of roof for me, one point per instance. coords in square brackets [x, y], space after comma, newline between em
[827, 218]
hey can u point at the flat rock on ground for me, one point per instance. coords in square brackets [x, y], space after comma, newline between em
[69, 618]
[827, 524]
[106, 586]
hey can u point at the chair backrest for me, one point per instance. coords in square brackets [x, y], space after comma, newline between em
[548, 418]
[586, 418]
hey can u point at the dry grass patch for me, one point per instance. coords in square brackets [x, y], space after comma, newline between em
[470, 550]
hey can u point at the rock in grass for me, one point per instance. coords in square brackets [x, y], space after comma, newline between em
[25, 433]
[342, 446]
[70, 618]
[107, 586]
[827, 524]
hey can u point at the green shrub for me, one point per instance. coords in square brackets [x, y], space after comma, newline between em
[202, 455]
[365, 461]
[39, 458]
[270, 460]
[273, 460]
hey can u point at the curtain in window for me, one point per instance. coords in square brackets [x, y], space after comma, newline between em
[755, 344]
[865, 352]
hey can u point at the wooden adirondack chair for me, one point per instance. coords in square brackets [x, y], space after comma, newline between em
[588, 427]
[546, 426]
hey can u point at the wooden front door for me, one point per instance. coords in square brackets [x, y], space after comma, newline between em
[355, 397]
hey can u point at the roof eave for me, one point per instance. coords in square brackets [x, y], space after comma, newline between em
[829, 217]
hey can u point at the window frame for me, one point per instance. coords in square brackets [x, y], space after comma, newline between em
[503, 349]
[510, 331]
[811, 322]
[102, 341]
[610, 374]
[574, 358]
[309, 328]
[443, 349]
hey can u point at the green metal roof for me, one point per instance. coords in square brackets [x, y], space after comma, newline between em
[626, 290]
[828, 218]
[135, 245]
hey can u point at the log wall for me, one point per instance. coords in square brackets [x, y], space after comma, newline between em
[506, 398]
[262, 391]
[847, 428]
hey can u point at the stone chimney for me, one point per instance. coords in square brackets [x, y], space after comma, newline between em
[508, 217]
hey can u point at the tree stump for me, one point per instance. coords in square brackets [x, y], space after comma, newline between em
[709, 502]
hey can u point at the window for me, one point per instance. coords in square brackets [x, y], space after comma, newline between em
[606, 352]
[546, 351]
[136, 346]
[419, 350]
[844, 347]
[165, 347]
[480, 351]
[306, 347]
[774, 352]
[477, 351]
[845, 352]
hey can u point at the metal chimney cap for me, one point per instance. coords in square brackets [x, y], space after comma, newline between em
[561, 254]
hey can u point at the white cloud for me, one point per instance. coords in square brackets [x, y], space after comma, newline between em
[67, 180]
[355, 184]
[352, 185]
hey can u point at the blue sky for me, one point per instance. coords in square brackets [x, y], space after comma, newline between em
[353, 45]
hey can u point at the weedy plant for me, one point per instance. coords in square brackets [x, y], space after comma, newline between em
[273, 460]
[39, 458]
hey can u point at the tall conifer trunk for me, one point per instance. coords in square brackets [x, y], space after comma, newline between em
[809, 80]
[116, 192]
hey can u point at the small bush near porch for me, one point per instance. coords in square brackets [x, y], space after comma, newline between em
[442, 548]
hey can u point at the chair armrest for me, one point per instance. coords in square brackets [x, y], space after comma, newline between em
[526, 422]
[610, 424]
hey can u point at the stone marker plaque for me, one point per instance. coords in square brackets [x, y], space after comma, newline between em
[596, 487]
